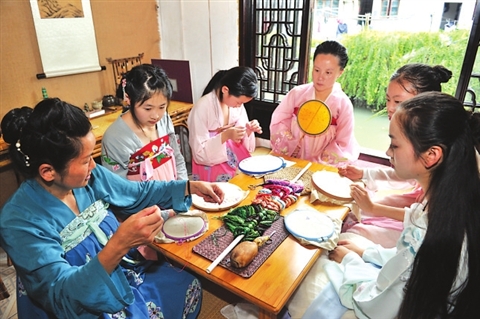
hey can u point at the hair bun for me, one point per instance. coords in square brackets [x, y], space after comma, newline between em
[13, 122]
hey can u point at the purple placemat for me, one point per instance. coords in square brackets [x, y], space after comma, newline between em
[208, 249]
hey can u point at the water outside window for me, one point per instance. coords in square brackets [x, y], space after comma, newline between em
[337, 20]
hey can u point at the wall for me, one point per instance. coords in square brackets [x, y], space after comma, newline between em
[204, 32]
[122, 29]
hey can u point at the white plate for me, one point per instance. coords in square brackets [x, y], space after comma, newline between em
[309, 224]
[234, 195]
[333, 185]
[262, 164]
[183, 228]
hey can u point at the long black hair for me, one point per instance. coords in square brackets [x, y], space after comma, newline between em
[48, 134]
[434, 289]
[239, 80]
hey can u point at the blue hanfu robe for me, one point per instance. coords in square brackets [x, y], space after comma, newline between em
[55, 253]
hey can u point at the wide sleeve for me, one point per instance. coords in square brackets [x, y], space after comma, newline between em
[373, 174]
[367, 288]
[206, 149]
[180, 165]
[118, 144]
[345, 144]
[34, 244]
[132, 196]
[282, 138]
[241, 119]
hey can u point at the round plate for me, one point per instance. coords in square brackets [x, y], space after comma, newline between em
[183, 228]
[310, 225]
[234, 195]
[262, 164]
[314, 117]
[332, 185]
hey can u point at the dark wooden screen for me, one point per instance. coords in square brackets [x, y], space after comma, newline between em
[274, 40]
[469, 81]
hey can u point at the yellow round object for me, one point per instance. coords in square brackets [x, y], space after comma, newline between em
[314, 117]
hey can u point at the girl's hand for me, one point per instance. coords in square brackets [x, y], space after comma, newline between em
[351, 172]
[210, 192]
[235, 134]
[361, 197]
[351, 246]
[253, 126]
[338, 253]
[343, 248]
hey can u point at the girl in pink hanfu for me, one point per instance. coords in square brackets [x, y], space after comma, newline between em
[382, 220]
[338, 143]
[221, 134]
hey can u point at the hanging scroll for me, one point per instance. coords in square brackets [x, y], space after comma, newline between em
[66, 37]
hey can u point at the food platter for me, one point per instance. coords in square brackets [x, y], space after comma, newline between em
[309, 224]
[262, 164]
[332, 185]
[234, 195]
[184, 228]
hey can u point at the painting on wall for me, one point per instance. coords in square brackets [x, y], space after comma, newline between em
[66, 37]
[53, 9]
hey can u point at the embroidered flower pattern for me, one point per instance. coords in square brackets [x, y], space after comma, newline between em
[192, 298]
[154, 312]
[136, 277]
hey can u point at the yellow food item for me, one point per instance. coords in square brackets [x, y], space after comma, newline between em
[314, 117]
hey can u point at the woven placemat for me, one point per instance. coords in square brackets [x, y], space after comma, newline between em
[209, 250]
[290, 173]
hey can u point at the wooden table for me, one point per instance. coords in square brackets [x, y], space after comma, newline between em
[178, 111]
[271, 286]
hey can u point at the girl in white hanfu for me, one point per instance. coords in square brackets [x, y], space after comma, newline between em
[433, 270]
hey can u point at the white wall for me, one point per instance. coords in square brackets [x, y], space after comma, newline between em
[204, 32]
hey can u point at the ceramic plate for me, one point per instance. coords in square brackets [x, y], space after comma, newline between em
[234, 195]
[182, 228]
[309, 224]
[262, 164]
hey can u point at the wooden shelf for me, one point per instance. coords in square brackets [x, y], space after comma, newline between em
[178, 111]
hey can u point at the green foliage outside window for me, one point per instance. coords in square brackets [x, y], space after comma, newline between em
[374, 56]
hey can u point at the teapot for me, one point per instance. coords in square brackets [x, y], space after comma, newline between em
[109, 100]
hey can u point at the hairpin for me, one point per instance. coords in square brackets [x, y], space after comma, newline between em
[17, 145]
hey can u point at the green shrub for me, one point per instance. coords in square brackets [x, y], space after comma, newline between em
[374, 56]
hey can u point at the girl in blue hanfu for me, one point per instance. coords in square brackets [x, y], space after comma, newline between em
[73, 259]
